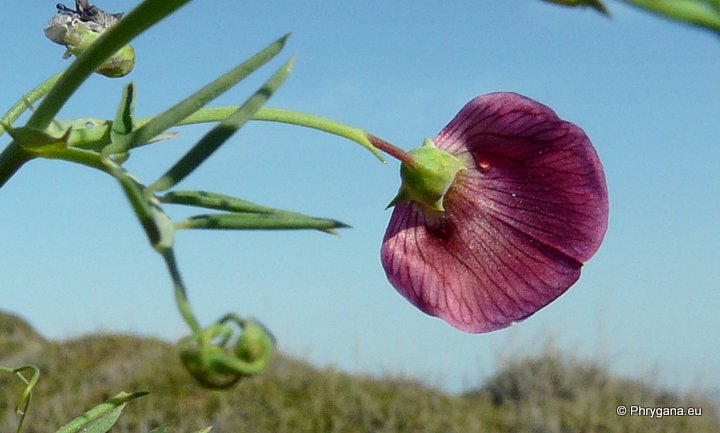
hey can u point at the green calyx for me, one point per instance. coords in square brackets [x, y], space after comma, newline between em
[429, 178]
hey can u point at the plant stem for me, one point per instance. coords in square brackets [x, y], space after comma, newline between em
[306, 120]
[26, 396]
[144, 213]
[392, 150]
[87, 158]
[181, 298]
[13, 156]
[280, 115]
[317, 122]
[11, 159]
[25, 103]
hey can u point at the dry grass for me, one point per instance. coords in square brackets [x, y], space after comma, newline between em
[543, 394]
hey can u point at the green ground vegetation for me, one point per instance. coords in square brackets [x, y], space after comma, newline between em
[545, 393]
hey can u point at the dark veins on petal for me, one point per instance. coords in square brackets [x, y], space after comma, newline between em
[519, 222]
[534, 171]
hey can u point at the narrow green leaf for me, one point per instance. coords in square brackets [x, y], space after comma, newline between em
[254, 221]
[700, 13]
[27, 100]
[99, 413]
[204, 430]
[199, 99]
[105, 422]
[161, 429]
[124, 122]
[135, 22]
[222, 132]
[211, 200]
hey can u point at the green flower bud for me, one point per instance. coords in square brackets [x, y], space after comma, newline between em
[118, 65]
[78, 35]
[429, 178]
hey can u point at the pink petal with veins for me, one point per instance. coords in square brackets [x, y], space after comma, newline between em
[519, 223]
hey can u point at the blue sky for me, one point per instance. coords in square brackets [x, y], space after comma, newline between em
[74, 259]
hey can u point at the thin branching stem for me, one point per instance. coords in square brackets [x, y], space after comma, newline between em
[181, 298]
[281, 115]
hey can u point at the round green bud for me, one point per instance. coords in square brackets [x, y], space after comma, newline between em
[77, 36]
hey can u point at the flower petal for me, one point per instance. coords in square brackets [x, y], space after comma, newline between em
[519, 222]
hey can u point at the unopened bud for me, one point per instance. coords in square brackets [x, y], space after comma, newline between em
[77, 31]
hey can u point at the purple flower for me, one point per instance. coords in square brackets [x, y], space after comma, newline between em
[514, 225]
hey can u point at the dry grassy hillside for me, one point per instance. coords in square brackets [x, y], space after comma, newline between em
[536, 395]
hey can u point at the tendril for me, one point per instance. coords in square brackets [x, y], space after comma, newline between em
[218, 358]
[23, 403]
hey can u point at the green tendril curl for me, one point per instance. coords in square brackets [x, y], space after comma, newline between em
[21, 408]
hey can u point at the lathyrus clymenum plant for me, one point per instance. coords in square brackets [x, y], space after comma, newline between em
[493, 220]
